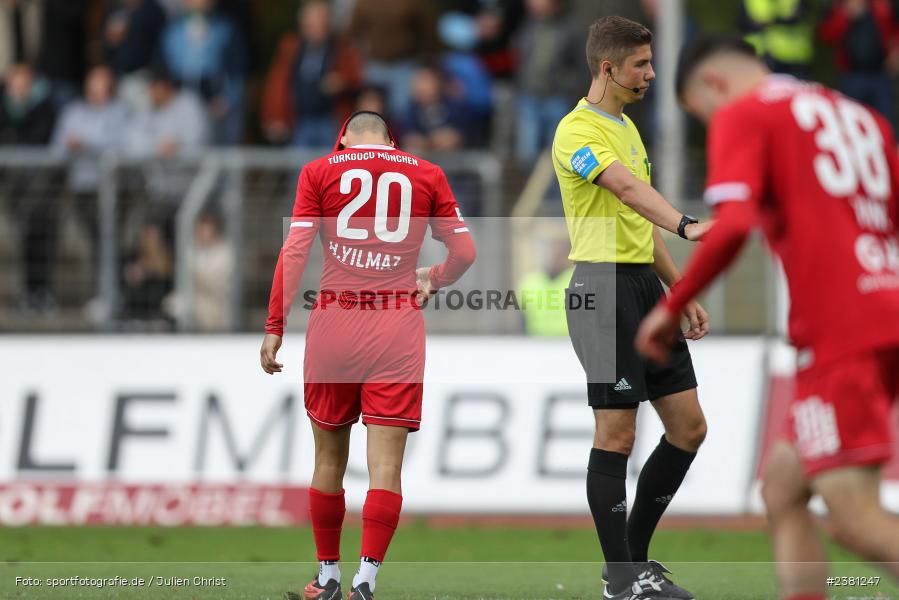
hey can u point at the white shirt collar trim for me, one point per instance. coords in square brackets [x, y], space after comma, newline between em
[373, 147]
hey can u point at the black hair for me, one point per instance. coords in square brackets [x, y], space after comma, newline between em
[703, 47]
[365, 121]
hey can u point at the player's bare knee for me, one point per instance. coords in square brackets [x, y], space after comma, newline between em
[782, 494]
[784, 484]
[777, 500]
[331, 457]
[621, 442]
[624, 444]
[691, 436]
[330, 464]
[698, 432]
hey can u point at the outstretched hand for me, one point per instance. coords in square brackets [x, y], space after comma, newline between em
[657, 334]
[269, 353]
[696, 231]
[698, 319]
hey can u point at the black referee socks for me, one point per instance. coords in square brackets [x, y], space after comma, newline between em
[607, 497]
[659, 480]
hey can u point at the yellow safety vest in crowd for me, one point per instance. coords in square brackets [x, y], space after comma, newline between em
[785, 43]
[542, 301]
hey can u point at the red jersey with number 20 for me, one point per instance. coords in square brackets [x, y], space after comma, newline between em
[373, 206]
[820, 171]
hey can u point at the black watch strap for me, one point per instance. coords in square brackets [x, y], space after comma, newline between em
[682, 227]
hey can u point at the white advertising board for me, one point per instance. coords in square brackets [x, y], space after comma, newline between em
[505, 428]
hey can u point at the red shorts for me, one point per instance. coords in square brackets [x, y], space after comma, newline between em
[368, 363]
[840, 414]
[335, 405]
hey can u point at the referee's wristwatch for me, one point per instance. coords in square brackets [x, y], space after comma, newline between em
[682, 227]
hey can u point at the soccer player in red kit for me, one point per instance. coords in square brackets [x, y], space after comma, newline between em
[372, 205]
[817, 172]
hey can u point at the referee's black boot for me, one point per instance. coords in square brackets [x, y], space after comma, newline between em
[316, 591]
[656, 574]
[642, 589]
[659, 574]
[363, 592]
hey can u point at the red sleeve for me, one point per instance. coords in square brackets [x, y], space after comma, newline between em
[721, 245]
[304, 226]
[737, 153]
[448, 226]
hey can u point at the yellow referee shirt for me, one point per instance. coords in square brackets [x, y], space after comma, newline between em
[602, 228]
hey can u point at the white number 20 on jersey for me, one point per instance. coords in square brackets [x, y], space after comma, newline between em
[382, 200]
[851, 146]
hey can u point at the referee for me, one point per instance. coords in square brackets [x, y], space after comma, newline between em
[613, 216]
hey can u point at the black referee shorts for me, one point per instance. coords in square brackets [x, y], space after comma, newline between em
[605, 303]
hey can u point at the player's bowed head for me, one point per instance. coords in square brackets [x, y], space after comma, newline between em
[713, 71]
[365, 127]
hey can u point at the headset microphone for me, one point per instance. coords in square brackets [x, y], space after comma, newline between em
[635, 90]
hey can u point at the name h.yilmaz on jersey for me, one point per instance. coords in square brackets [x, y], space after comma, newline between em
[364, 259]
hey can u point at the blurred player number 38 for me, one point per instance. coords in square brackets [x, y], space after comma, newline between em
[852, 162]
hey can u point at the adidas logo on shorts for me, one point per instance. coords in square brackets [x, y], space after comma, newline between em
[622, 385]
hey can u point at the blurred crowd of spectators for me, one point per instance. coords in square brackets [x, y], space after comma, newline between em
[863, 34]
[156, 79]
[430, 66]
[166, 77]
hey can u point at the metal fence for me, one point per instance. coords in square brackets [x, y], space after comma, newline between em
[250, 191]
[93, 237]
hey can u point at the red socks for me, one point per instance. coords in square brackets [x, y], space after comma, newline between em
[807, 597]
[380, 516]
[326, 512]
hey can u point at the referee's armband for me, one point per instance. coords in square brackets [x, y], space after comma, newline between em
[584, 162]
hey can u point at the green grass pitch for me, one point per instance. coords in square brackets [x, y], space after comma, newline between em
[424, 563]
